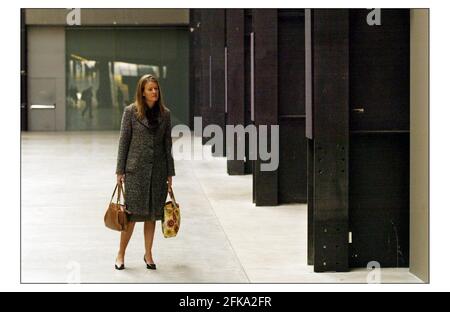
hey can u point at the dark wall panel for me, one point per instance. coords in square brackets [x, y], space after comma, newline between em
[379, 71]
[291, 63]
[292, 175]
[379, 154]
[265, 27]
[292, 179]
[379, 199]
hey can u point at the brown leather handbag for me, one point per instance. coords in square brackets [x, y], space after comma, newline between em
[116, 216]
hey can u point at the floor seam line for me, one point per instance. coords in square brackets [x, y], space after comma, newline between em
[221, 226]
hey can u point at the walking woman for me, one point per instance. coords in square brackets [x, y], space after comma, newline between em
[144, 163]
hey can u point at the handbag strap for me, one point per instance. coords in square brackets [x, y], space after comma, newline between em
[121, 190]
[118, 193]
[113, 193]
[172, 196]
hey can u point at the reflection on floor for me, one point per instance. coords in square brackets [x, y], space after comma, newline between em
[67, 182]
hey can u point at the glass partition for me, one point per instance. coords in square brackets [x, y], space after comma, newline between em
[103, 66]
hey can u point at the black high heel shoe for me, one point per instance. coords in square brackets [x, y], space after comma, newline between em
[122, 267]
[150, 266]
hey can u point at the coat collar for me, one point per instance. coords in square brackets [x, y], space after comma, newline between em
[144, 120]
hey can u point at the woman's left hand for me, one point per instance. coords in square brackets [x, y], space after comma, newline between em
[169, 181]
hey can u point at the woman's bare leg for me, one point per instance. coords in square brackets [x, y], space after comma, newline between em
[149, 232]
[125, 237]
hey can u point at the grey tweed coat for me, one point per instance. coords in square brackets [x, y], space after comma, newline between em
[145, 156]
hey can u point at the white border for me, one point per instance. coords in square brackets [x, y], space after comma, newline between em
[440, 156]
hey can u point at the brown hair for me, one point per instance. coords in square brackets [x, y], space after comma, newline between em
[139, 96]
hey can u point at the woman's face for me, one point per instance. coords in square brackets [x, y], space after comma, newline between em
[151, 93]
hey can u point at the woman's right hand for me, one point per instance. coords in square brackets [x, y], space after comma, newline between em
[120, 178]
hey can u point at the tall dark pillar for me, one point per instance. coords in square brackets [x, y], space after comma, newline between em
[217, 48]
[104, 89]
[328, 71]
[193, 64]
[357, 96]
[248, 29]
[235, 81]
[309, 131]
[196, 64]
[212, 44]
[265, 27]
[206, 70]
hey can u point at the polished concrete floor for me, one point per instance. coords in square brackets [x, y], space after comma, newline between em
[67, 179]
